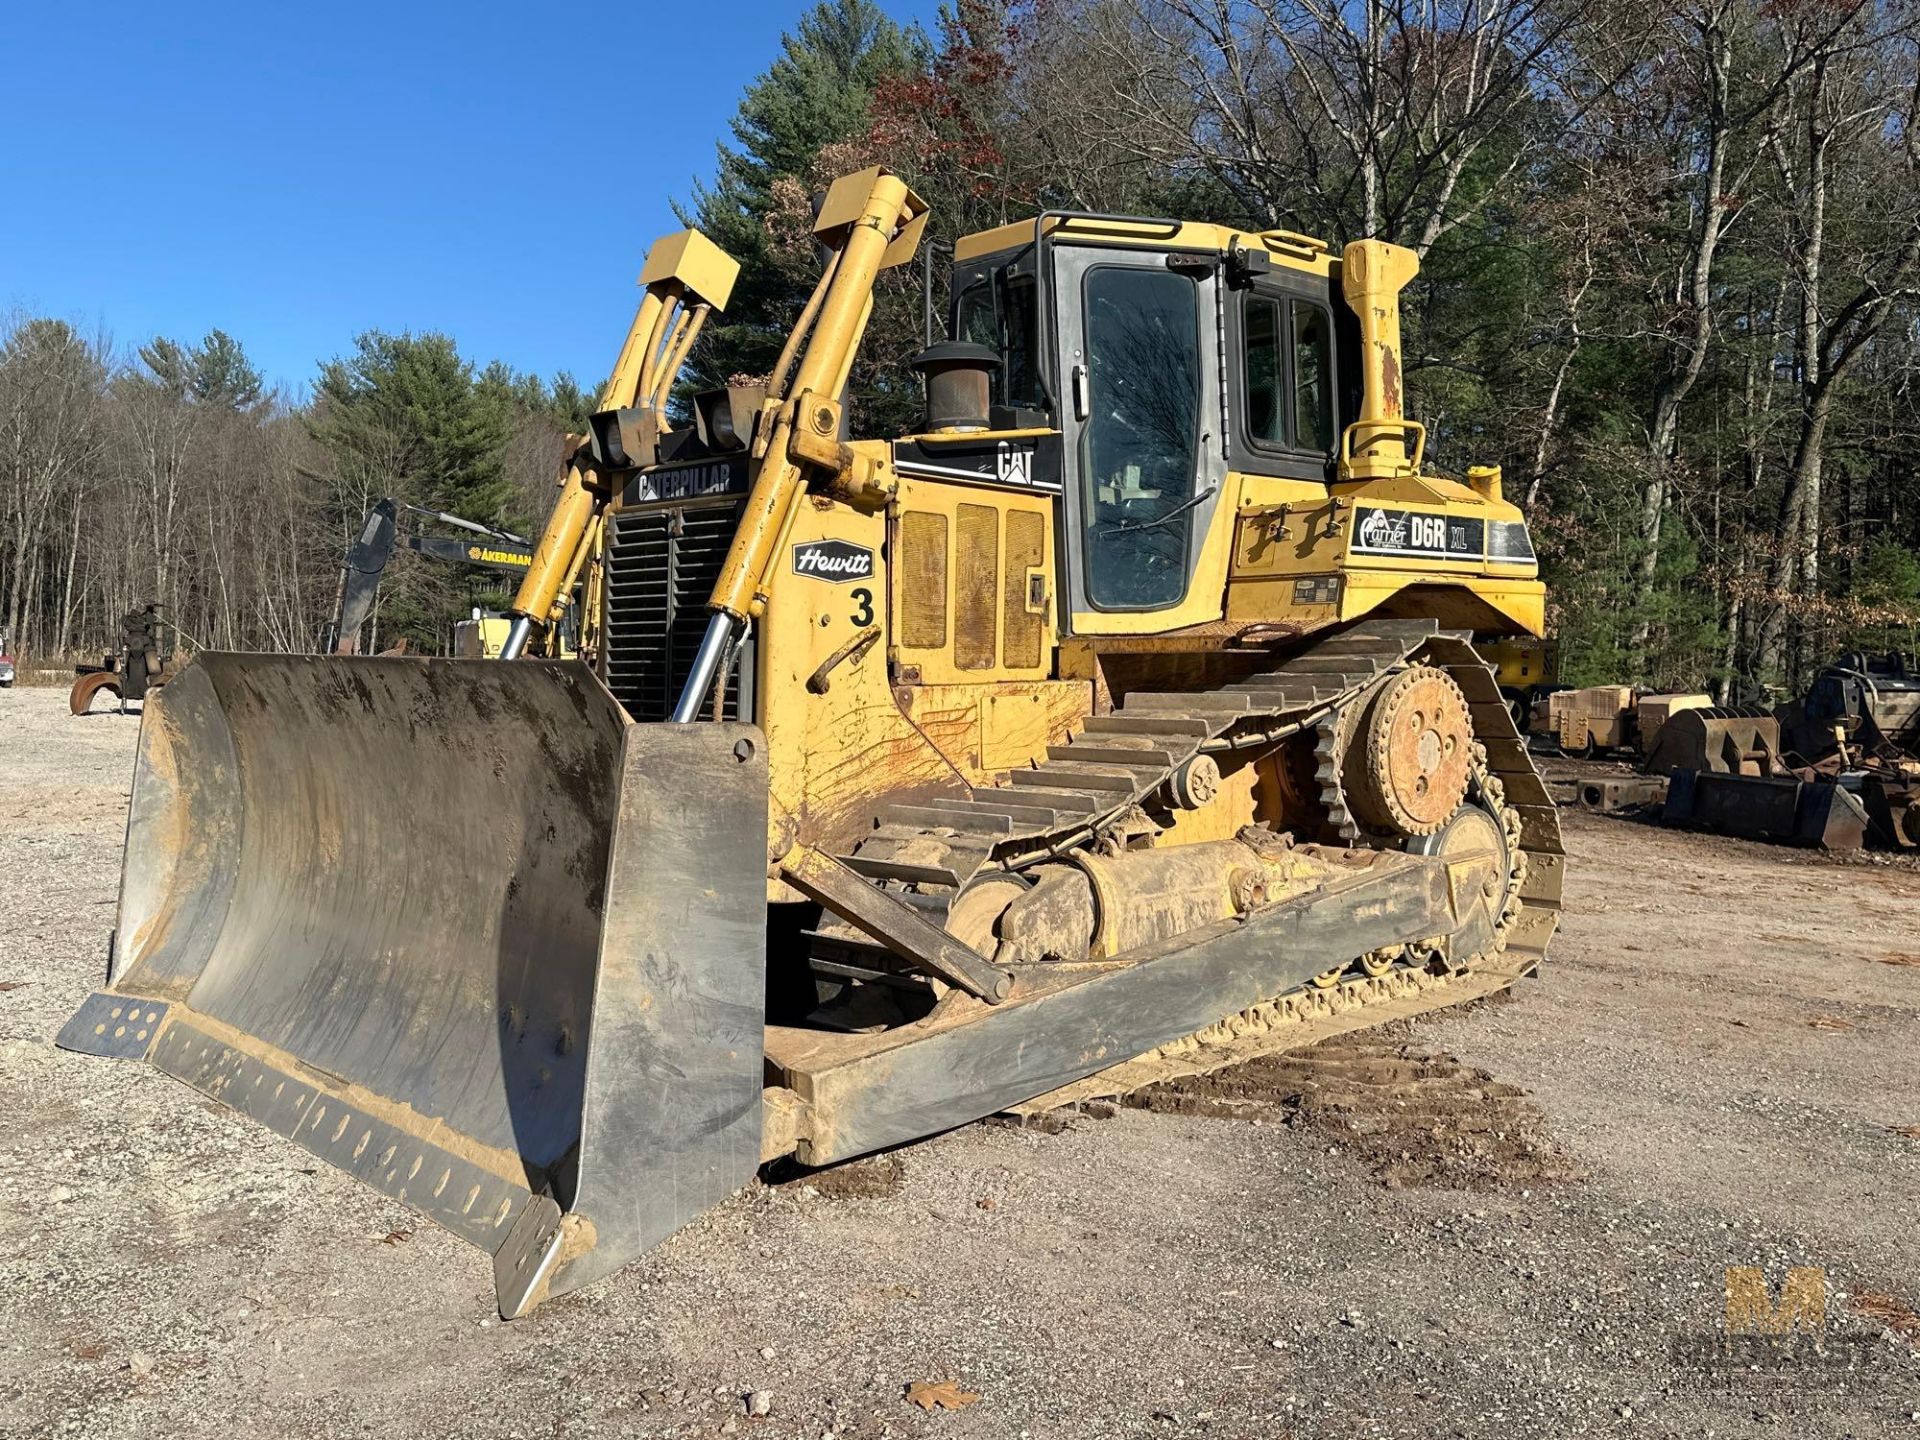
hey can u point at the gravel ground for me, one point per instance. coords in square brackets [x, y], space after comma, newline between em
[1720, 1048]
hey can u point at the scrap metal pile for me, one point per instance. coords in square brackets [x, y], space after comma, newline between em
[1837, 769]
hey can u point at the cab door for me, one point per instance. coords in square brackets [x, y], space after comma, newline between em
[1145, 462]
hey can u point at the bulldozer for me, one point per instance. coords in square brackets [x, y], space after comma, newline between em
[1122, 721]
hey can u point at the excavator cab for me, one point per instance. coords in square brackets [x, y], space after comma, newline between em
[1122, 720]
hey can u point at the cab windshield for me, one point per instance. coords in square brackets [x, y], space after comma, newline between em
[1138, 448]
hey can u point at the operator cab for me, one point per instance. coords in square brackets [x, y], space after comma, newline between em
[1158, 357]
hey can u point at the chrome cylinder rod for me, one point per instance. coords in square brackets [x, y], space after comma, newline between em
[516, 641]
[706, 666]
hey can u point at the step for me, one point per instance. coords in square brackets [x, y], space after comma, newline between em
[1075, 804]
[1289, 690]
[1148, 726]
[1203, 702]
[1359, 644]
[1399, 631]
[906, 845]
[1360, 667]
[878, 868]
[1136, 777]
[1056, 773]
[953, 815]
[1012, 816]
[1129, 755]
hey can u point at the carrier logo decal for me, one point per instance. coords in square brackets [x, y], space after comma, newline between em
[1379, 531]
[1014, 463]
[838, 561]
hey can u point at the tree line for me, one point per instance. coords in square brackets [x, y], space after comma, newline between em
[1670, 256]
[1670, 282]
[170, 475]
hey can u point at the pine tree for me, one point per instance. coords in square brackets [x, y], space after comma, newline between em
[405, 415]
[214, 372]
[816, 94]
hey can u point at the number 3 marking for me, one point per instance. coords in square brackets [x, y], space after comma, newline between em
[863, 598]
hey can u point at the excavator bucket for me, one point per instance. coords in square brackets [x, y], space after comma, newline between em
[1782, 808]
[460, 929]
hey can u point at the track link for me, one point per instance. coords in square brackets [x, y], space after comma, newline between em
[1100, 781]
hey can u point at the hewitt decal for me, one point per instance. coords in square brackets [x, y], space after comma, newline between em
[837, 561]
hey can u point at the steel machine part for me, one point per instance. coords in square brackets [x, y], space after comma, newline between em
[1785, 809]
[1717, 739]
[1586, 722]
[89, 686]
[1408, 761]
[1614, 793]
[1869, 703]
[1893, 808]
[474, 1007]
[1081, 737]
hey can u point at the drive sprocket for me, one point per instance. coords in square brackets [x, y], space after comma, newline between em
[1407, 756]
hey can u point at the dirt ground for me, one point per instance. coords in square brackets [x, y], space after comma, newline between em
[1509, 1221]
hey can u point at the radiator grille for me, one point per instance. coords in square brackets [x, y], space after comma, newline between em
[661, 565]
[1020, 627]
[976, 627]
[923, 580]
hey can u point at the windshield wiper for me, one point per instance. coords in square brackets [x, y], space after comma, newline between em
[1127, 527]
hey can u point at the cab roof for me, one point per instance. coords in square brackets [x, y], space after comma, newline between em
[1294, 251]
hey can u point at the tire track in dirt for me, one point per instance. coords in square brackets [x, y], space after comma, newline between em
[1413, 1117]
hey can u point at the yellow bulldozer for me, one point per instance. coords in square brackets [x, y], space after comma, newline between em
[1124, 720]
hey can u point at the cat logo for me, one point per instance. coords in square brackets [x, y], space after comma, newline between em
[1014, 463]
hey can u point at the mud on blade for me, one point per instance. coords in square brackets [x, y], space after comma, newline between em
[460, 929]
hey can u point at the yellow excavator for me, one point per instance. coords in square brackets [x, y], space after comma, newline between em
[1123, 721]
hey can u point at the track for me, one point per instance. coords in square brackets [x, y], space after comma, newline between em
[1101, 780]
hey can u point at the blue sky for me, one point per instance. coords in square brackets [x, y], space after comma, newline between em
[296, 174]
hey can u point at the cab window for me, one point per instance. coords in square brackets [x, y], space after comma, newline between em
[1266, 373]
[1287, 373]
[1008, 328]
[1140, 443]
[1312, 378]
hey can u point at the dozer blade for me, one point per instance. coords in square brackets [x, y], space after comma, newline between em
[460, 929]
